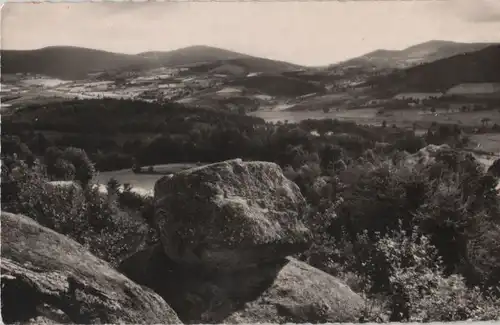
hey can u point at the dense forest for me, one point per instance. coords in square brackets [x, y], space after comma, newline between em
[410, 222]
[118, 134]
[441, 75]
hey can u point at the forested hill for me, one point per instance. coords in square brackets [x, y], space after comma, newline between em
[71, 63]
[477, 67]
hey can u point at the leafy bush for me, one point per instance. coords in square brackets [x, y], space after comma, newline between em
[413, 239]
[70, 163]
[84, 168]
[421, 292]
[63, 170]
[12, 145]
[495, 168]
[82, 214]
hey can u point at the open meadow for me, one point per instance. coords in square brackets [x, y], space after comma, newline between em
[143, 182]
[370, 116]
[489, 142]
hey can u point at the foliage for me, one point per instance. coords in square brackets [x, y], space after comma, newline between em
[421, 292]
[63, 170]
[12, 145]
[69, 164]
[85, 215]
[414, 230]
[151, 133]
[495, 168]
[84, 168]
[401, 226]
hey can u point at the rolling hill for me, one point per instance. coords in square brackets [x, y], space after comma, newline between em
[242, 66]
[415, 55]
[211, 59]
[69, 63]
[190, 55]
[66, 62]
[482, 66]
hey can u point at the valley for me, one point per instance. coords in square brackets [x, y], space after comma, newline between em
[277, 92]
[370, 90]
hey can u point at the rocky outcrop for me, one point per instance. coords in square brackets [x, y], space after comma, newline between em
[48, 278]
[425, 156]
[230, 215]
[284, 290]
[226, 231]
[301, 293]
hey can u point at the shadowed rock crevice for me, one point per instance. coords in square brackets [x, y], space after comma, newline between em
[197, 294]
[20, 300]
[24, 299]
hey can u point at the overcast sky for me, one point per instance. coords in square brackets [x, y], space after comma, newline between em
[310, 33]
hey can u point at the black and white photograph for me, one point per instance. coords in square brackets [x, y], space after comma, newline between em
[248, 162]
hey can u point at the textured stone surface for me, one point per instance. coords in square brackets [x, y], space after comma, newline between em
[285, 290]
[301, 293]
[230, 214]
[48, 278]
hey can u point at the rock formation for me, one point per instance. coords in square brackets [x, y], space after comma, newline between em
[49, 278]
[230, 215]
[284, 290]
[226, 231]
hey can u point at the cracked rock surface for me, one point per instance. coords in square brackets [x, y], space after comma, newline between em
[285, 290]
[48, 278]
[230, 215]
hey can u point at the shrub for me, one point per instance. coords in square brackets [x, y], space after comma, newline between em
[84, 168]
[495, 168]
[112, 186]
[82, 214]
[421, 292]
[12, 145]
[62, 170]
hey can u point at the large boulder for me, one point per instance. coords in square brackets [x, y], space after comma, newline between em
[281, 291]
[301, 293]
[48, 278]
[231, 214]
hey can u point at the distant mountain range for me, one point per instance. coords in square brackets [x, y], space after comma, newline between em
[74, 62]
[433, 65]
[411, 56]
[481, 66]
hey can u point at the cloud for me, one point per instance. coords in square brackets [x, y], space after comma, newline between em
[478, 11]
[305, 32]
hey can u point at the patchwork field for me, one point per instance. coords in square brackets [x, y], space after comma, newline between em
[403, 118]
